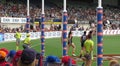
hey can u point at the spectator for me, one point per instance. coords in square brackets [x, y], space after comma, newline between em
[114, 63]
[10, 56]
[28, 58]
[83, 13]
[3, 54]
[16, 57]
[37, 58]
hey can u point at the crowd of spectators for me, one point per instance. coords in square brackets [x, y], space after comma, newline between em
[26, 57]
[30, 57]
[36, 29]
[10, 9]
[10, 30]
[81, 13]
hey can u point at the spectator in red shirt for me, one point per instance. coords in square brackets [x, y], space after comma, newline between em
[3, 55]
[16, 57]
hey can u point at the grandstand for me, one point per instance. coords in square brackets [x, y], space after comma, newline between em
[53, 12]
[81, 12]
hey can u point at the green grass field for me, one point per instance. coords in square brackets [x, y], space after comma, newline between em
[53, 46]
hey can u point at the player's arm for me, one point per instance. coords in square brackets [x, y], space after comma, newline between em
[84, 46]
[29, 41]
[20, 35]
[23, 41]
[91, 47]
[15, 35]
[70, 37]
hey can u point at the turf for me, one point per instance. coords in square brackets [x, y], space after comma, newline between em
[53, 46]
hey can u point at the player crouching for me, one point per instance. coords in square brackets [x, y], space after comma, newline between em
[27, 41]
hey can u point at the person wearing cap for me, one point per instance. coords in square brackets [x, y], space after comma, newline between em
[28, 57]
[10, 56]
[17, 36]
[3, 55]
[27, 41]
[5, 50]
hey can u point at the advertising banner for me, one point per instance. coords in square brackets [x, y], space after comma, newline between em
[1, 37]
[51, 34]
[12, 20]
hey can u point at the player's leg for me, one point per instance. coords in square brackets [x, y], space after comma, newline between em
[88, 63]
[17, 44]
[82, 50]
[89, 58]
[68, 46]
[73, 50]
